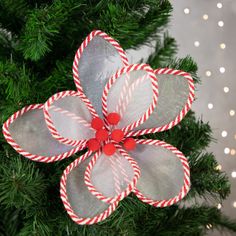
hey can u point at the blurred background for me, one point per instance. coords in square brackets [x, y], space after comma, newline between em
[206, 31]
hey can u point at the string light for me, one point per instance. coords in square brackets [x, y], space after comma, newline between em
[219, 5]
[208, 73]
[219, 206]
[232, 152]
[234, 204]
[196, 43]
[226, 89]
[232, 112]
[218, 167]
[210, 106]
[222, 46]
[186, 10]
[209, 226]
[205, 17]
[220, 23]
[226, 150]
[222, 70]
[233, 174]
[224, 133]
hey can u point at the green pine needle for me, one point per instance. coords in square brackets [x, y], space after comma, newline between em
[22, 185]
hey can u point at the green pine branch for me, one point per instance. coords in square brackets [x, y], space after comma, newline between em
[42, 27]
[9, 221]
[206, 180]
[35, 226]
[22, 185]
[190, 221]
[15, 81]
[17, 8]
[13, 14]
[58, 80]
[165, 50]
[133, 24]
[186, 64]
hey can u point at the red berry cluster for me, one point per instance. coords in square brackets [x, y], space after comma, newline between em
[102, 135]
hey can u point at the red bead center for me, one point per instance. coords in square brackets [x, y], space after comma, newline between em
[117, 135]
[93, 145]
[129, 144]
[97, 123]
[113, 118]
[109, 149]
[102, 135]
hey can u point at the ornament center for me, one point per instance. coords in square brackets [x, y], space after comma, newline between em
[110, 138]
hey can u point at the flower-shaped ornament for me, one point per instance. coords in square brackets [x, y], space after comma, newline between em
[114, 104]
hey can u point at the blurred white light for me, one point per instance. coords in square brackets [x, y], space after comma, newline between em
[221, 23]
[235, 136]
[219, 206]
[232, 112]
[222, 70]
[208, 73]
[222, 46]
[205, 17]
[233, 174]
[232, 152]
[226, 150]
[226, 89]
[224, 133]
[219, 5]
[186, 11]
[218, 167]
[209, 226]
[234, 204]
[210, 106]
[196, 43]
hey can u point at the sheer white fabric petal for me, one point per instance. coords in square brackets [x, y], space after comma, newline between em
[162, 174]
[112, 176]
[173, 95]
[71, 118]
[131, 95]
[82, 202]
[30, 132]
[99, 61]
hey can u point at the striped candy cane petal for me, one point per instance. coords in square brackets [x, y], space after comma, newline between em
[27, 132]
[98, 58]
[68, 118]
[176, 95]
[111, 178]
[165, 173]
[131, 92]
[80, 204]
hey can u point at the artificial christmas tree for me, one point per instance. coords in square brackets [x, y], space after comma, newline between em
[38, 40]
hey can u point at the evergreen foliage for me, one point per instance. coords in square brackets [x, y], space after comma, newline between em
[38, 39]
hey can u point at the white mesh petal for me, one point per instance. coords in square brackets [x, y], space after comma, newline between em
[30, 132]
[99, 61]
[71, 118]
[162, 174]
[131, 95]
[113, 175]
[173, 95]
[82, 202]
